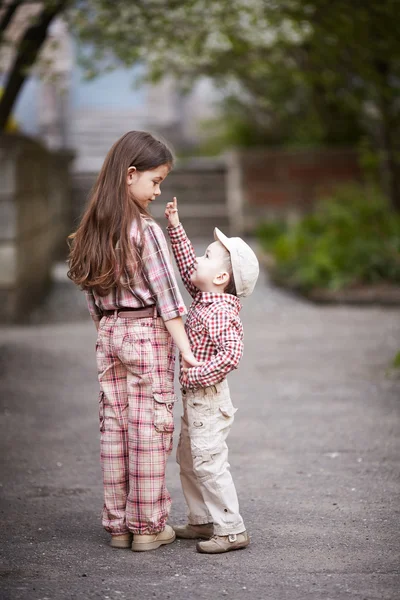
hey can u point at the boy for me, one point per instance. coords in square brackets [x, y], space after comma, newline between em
[228, 270]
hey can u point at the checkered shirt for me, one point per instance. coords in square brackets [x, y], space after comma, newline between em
[213, 326]
[155, 283]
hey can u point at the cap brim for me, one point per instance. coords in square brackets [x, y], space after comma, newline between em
[221, 237]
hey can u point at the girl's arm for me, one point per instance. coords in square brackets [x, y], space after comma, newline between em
[94, 310]
[182, 248]
[159, 275]
[178, 334]
[160, 278]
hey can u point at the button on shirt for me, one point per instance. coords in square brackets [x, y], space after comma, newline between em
[154, 283]
[213, 326]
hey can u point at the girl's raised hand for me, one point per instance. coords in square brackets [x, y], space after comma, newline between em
[171, 213]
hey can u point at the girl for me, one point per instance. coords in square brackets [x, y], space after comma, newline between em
[119, 256]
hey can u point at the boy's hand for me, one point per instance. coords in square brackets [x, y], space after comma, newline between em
[171, 213]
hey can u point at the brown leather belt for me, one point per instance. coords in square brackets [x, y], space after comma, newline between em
[133, 313]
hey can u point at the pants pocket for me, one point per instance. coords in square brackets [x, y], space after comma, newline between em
[137, 354]
[227, 410]
[164, 360]
[163, 412]
[101, 411]
[222, 422]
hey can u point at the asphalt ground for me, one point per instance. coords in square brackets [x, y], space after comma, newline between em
[314, 451]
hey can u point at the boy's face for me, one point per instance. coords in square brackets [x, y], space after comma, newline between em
[209, 268]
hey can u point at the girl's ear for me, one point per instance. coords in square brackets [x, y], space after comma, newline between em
[221, 278]
[130, 175]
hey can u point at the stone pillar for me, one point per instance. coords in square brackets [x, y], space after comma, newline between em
[234, 193]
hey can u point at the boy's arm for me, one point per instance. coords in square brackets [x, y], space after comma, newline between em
[181, 247]
[227, 334]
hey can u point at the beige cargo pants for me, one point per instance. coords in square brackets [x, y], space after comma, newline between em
[202, 454]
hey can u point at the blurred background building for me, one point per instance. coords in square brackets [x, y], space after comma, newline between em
[285, 121]
[61, 108]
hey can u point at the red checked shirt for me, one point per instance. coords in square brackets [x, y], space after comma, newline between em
[155, 283]
[213, 326]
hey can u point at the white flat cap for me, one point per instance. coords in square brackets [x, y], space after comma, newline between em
[245, 265]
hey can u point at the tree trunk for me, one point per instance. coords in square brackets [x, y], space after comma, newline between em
[9, 11]
[26, 56]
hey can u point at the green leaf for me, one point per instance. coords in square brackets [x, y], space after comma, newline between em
[396, 361]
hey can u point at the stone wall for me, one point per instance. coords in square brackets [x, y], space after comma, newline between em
[34, 221]
[266, 183]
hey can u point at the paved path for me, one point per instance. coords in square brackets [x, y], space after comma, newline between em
[314, 453]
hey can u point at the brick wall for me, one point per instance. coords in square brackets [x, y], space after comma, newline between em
[281, 182]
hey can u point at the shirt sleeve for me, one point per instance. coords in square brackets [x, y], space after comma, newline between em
[184, 255]
[227, 334]
[159, 274]
[94, 310]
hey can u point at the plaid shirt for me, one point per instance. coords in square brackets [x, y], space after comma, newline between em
[213, 326]
[155, 283]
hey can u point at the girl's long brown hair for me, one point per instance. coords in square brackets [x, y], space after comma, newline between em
[101, 247]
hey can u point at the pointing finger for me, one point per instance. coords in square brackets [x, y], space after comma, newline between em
[175, 203]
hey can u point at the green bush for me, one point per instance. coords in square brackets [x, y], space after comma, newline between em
[352, 238]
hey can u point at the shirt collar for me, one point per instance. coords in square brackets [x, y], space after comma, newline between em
[209, 297]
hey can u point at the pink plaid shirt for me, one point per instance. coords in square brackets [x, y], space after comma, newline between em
[213, 326]
[154, 284]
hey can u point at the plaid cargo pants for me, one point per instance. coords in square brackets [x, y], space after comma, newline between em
[135, 361]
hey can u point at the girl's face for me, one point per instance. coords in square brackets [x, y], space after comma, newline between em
[144, 186]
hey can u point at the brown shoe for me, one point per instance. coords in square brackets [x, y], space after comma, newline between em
[121, 541]
[141, 543]
[224, 543]
[193, 532]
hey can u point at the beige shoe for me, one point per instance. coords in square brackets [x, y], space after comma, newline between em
[193, 532]
[121, 541]
[224, 543]
[141, 543]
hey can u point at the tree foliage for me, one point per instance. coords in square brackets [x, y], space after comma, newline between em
[27, 48]
[350, 240]
[326, 71]
[296, 71]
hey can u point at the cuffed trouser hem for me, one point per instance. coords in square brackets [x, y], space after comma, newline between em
[116, 531]
[148, 529]
[135, 531]
[192, 520]
[143, 531]
[229, 530]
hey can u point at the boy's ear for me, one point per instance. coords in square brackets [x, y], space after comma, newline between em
[130, 174]
[221, 279]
